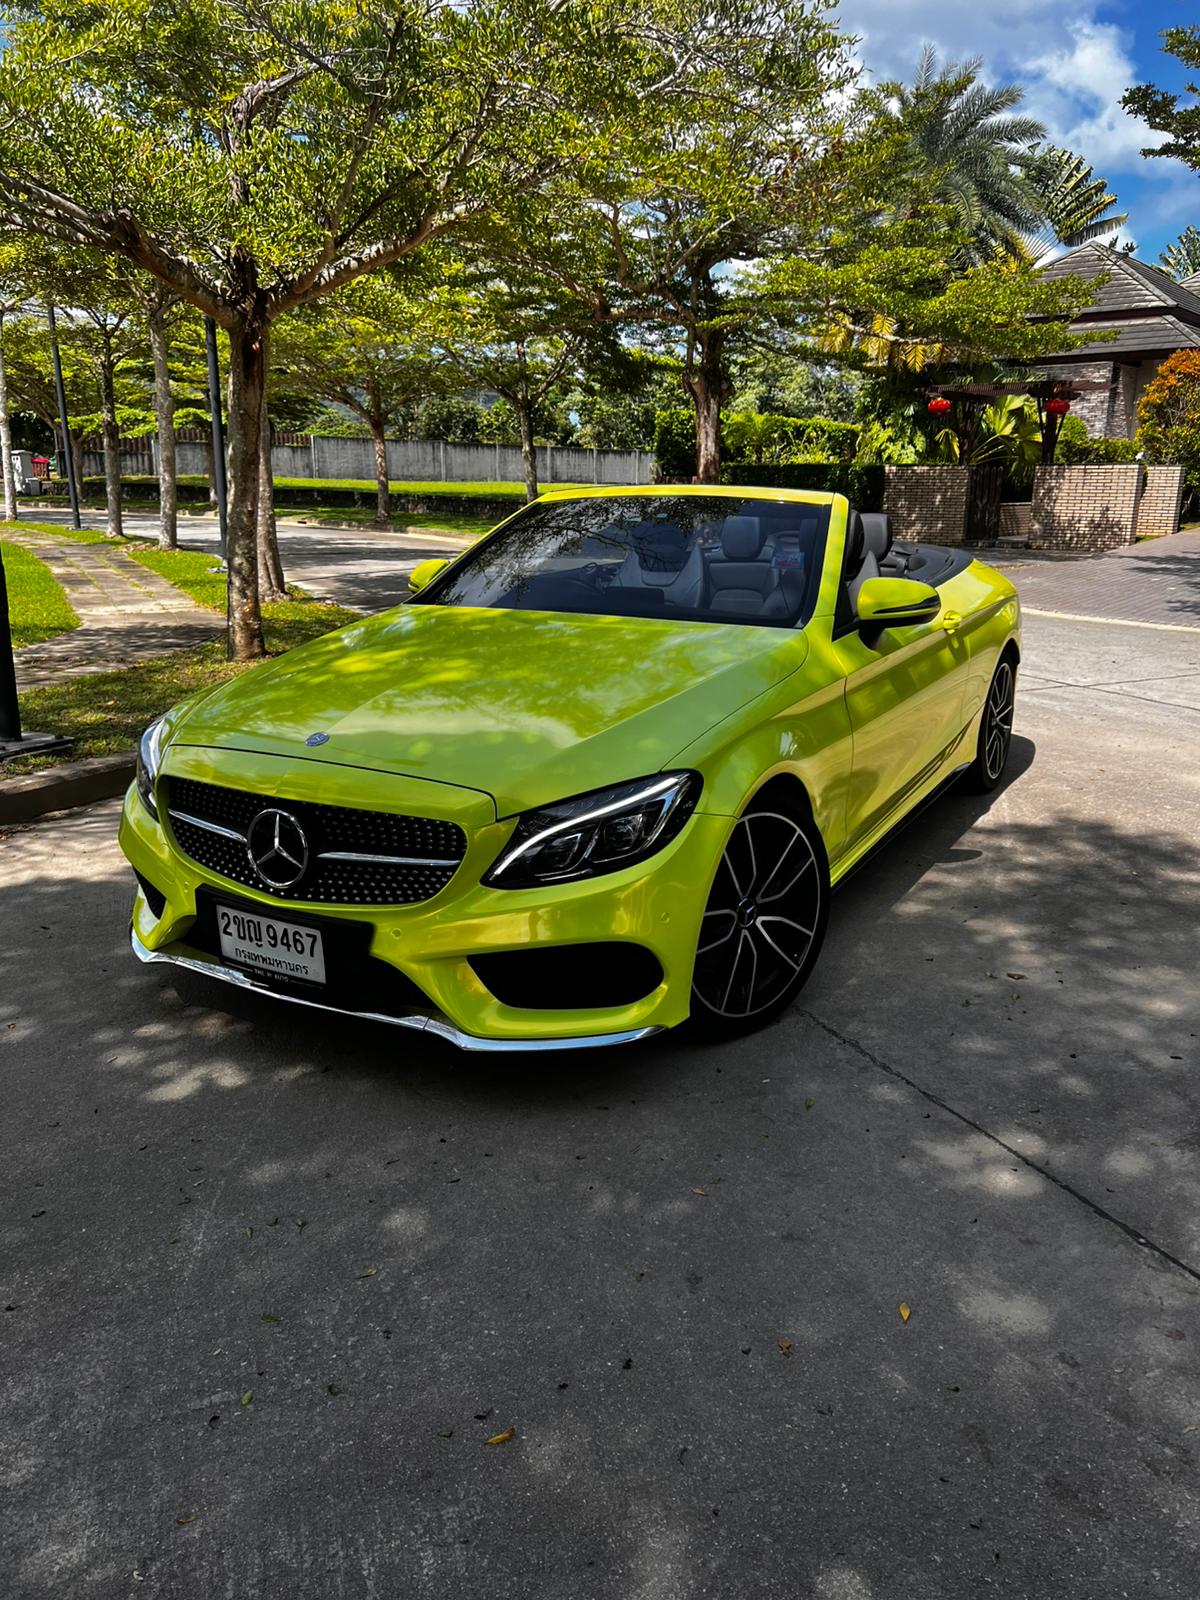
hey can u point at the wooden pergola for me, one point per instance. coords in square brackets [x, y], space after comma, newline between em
[1053, 397]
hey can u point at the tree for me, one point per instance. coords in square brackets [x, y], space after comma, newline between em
[353, 349]
[12, 300]
[1169, 415]
[973, 151]
[752, 150]
[1182, 259]
[1077, 205]
[519, 338]
[254, 156]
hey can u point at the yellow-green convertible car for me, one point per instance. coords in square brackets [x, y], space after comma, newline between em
[597, 777]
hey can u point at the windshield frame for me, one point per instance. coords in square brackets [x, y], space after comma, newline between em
[433, 593]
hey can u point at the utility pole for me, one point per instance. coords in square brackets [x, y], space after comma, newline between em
[61, 396]
[218, 431]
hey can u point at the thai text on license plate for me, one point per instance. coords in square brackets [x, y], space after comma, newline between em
[270, 945]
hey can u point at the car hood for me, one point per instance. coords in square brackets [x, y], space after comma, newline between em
[525, 706]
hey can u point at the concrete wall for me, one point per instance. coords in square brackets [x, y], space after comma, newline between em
[927, 503]
[1162, 496]
[409, 460]
[1084, 508]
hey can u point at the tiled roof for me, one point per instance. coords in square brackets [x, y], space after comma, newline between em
[1132, 285]
[1144, 336]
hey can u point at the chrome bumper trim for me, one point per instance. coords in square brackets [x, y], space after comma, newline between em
[436, 1025]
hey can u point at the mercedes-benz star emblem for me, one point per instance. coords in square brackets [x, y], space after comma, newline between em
[315, 739]
[277, 848]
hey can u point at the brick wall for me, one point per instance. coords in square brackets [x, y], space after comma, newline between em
[1084, 508]
[927, 503]
[1158, 509]
[1015, 519]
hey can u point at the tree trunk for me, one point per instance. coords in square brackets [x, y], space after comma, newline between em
[528, 449]
[247, 374]
[383, 500]
[708, 384]
[6, 455]
[164, 417]
[271, 585]
[112, 449]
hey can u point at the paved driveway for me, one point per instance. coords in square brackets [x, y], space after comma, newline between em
[1156, 581]
[272, 1281]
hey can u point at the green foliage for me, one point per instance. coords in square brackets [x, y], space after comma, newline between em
[675, 443]
[779, 383]
[38, 607]
[862, 485]
[1182, 259]
[1077, 205]
[748, 436]
[1169, 415]
[1075, 447]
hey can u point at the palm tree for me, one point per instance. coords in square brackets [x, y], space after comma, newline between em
[1182, 259]
[974, 152]
[1077, 205]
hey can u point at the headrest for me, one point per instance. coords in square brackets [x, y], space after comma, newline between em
[877, 532]
[661, 549]
[741, 538]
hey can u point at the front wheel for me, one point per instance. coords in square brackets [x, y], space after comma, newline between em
[763, 925]
[995, 730]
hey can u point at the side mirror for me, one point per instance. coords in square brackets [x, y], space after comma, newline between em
[425, 572]
[896, 603]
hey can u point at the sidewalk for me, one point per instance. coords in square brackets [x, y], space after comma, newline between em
[126, 613]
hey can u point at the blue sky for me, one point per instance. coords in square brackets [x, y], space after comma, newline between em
[1075, 60]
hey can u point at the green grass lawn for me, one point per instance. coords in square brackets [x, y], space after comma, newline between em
[189, 570]
[38, 607]
[61, 531]
[402, 521]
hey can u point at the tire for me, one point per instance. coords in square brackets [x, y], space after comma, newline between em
[995, 730]
[771, 892]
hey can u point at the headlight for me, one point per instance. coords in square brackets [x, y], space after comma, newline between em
[595, 833]
[148, 757]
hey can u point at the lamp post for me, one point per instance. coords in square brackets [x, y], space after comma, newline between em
[60, 394]
[218, 432]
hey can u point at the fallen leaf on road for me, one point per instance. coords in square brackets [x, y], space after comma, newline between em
[1017, 976]
[269, 1316]
[905, 1311]
[785, 1347]
[700, 1192]
[808, 1105]
[501, 1438]
[247, 1397]
[369, 1273]
[182, 1522]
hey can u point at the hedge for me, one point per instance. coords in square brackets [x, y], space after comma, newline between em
[862, 485]
[675, 440]
[295, 492]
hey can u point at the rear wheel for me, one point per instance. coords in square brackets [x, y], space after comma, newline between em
[995, 730]
[763, 925]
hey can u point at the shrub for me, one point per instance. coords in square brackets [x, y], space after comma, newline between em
[862, 485]
[1169, 415]
[751, 436]
[1076, 447]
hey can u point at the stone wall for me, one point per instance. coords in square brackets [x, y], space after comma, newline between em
[928, 503]
[1084, 508]
[1162, 496]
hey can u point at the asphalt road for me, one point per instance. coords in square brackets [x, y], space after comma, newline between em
[270, 1281]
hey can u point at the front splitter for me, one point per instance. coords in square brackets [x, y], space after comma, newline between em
[417, 1021]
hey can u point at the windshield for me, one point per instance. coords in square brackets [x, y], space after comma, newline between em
[699, 558]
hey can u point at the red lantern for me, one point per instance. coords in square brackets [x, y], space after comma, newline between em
[939, 405]
[1057, 408]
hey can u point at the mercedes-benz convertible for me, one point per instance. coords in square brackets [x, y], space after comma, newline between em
[596, 778]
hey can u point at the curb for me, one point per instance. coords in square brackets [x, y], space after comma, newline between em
[75, 783]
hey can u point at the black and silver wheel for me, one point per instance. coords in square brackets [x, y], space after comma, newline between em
[995, 730]
[764, 922]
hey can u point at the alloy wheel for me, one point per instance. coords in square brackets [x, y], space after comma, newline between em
[763, 914]
[998, 720]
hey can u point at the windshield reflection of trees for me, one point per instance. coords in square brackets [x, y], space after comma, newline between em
[569, 557]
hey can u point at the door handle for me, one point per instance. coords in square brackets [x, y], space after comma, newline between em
[950, 620]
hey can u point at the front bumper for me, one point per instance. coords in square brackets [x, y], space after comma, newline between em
[657, 906]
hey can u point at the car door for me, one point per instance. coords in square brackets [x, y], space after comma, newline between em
[904, 691]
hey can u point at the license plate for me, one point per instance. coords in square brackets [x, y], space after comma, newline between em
[268, 944]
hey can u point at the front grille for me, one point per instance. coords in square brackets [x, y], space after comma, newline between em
[429, 850]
